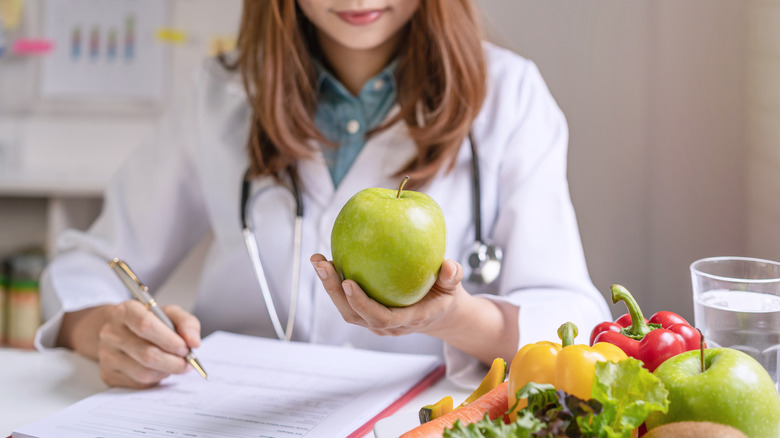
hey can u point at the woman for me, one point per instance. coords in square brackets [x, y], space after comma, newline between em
[337, 96]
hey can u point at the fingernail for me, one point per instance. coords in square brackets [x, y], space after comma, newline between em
[322, 273]
[347, 289]
[454, 273]
[194, 336]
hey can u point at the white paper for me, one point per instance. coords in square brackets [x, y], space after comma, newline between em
[104, 50]
[257, 388]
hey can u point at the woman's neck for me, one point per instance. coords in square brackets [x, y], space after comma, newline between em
[355, 67]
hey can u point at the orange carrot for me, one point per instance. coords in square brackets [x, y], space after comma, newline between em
[494, 403]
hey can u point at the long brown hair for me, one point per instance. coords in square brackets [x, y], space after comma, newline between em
[443, 44]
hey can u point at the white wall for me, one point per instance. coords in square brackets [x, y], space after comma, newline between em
[763, 129]
[654, 97]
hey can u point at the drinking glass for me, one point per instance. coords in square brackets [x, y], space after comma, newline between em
[737, 305]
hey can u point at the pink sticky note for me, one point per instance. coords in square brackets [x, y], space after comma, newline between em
[31, 46]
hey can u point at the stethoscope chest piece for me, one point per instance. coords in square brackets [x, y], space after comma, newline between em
[484, 263]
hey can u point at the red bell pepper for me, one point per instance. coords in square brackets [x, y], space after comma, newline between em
[652, 341]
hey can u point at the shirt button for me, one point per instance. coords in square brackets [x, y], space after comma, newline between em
[353, 126]
[379, 84]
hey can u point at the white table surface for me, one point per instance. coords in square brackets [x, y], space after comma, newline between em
[34, 385]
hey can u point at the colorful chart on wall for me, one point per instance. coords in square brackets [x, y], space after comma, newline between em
[105, 50]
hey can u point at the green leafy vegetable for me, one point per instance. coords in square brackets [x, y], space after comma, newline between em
[562, 417]
[549, 413]
[524, 427]
[538, 395]
[628, 394]
[623, 395]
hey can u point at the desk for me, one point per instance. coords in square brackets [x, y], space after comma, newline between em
[34, 385]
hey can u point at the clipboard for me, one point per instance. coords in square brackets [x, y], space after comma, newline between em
[426, 382]
[256, 386]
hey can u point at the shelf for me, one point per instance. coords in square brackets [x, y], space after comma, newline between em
[53, 185]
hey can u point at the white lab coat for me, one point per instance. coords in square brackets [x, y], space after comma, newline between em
[184, 183]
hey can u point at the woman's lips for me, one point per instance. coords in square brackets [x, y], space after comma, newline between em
[360, 18]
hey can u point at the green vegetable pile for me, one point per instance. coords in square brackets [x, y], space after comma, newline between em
[623, 395]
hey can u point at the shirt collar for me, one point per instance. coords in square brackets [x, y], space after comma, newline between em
[325, 77]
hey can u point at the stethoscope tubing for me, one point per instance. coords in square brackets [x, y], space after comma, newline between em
[257, 266]
[476, 190]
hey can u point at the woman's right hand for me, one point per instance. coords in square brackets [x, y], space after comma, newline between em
[133, 347]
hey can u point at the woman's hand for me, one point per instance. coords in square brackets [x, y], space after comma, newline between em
[133, 347]
[430, 315]
[474, 325]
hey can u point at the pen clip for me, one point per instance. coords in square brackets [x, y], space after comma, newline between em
[122, 268]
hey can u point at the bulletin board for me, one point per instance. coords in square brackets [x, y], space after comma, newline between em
[102, 57]
[104, 50]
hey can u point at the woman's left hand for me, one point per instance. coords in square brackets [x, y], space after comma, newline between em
[431, 315]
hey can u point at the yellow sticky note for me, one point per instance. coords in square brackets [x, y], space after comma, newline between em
[11, 13]
[171, 35]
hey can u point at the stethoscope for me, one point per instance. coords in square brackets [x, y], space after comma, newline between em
[482, 261]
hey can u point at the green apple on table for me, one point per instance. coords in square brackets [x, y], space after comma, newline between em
[734, 389]
[391, 243]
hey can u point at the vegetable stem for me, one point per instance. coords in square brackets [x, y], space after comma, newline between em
[639, 327]
[567, 332]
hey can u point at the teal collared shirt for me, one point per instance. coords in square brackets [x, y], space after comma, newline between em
[344, 119]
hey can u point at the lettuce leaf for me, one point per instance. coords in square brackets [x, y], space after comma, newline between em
[524, 427]
[628, 393]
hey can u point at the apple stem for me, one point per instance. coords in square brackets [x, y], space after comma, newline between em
[403, 183]
[701, 348]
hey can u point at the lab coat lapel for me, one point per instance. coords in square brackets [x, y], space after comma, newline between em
[315, 178]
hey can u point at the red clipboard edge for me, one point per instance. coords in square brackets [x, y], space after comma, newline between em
[422, 385]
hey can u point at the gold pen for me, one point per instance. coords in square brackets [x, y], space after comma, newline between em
[141, 293]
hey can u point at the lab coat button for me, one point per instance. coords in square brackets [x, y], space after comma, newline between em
[353, 126]
[378, 84]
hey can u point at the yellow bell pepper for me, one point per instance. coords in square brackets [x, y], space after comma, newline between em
[494, 377]
[566, 366]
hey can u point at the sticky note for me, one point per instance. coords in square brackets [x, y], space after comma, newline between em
[31, 46]
[171, 36]
[11, 13]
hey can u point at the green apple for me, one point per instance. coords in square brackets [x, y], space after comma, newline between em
[391, 243]
[734, 389]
